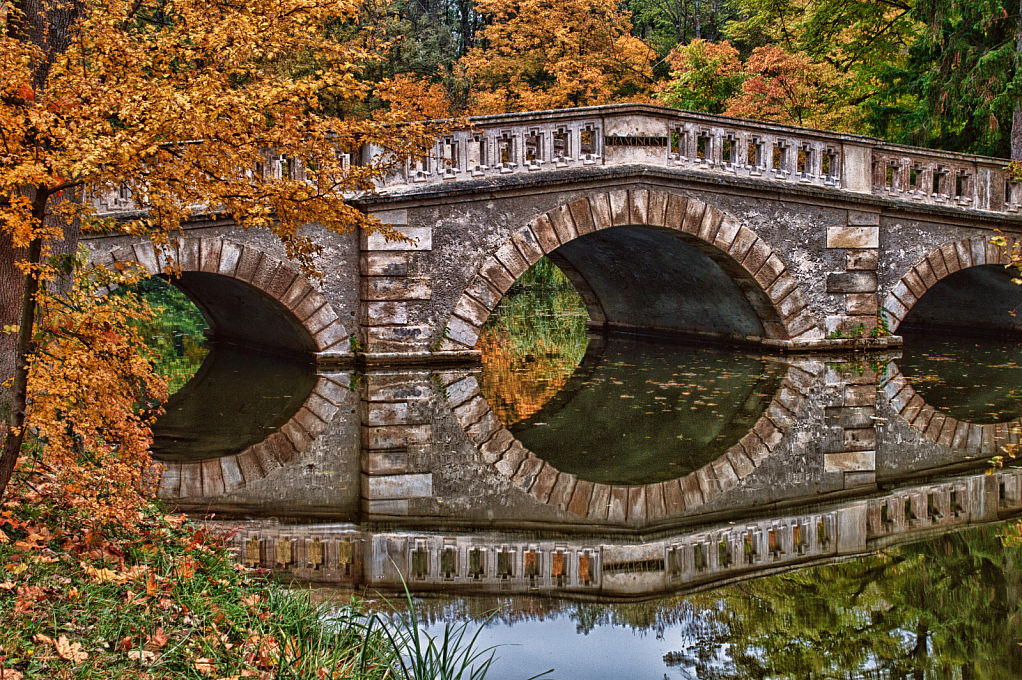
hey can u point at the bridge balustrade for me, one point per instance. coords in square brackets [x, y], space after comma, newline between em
[621, 134]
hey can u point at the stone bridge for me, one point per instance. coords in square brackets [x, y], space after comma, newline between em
[667, 222]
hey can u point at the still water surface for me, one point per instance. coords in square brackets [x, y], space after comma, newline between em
[629, 524]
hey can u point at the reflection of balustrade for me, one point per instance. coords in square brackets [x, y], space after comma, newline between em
[614, 567]
[545, 141]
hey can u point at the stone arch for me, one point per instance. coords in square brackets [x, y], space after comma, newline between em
[938, 264]
[217, 476]
[281, 285]
[749, 260]
[276, 282]
[624, 504]
[975, 439]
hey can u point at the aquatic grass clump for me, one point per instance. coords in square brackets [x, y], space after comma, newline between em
[422, 656]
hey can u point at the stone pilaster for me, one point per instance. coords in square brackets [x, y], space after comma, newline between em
[395, 427]
[854, 456]
[395, 288]
[857, 284]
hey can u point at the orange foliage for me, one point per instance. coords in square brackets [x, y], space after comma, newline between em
[205, 108]
[93, 394]
[793, 89]
[415, 100]
[518, 386]
[550, 54]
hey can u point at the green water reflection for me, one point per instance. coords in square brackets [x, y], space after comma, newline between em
[176, 334]
[944, 608]
[972, 379]
[645, 413]
[619, 411]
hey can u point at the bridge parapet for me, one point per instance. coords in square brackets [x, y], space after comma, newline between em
[541, 141]
[545, 141]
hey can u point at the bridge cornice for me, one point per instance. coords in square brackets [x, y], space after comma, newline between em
[485, 189]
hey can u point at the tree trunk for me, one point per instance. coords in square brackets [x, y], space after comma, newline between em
[1016, 118]
[46, 25]
[19, 390]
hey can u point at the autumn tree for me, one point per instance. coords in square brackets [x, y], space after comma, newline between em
[182, 103]
[793, 89]
[704, 77]
[550, 54]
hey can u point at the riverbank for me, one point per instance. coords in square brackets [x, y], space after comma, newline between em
[165, 599]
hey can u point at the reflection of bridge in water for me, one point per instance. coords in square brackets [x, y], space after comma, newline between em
[612, 567]
[411, 470]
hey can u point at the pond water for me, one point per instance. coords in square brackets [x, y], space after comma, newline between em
[627, 508]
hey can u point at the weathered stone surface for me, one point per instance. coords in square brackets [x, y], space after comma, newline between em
[860, 217]
[852, 282]
[861, 303]
[387, 313]
[396, 288]
[853, 237]
[849, 461]
[416, 238]
[861, 260]
[376, 263]
[382, 487]
[545, 233]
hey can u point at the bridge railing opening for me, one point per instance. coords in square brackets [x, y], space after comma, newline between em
[545, 141]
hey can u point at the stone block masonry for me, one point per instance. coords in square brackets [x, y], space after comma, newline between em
[730, 231]
[856, 286]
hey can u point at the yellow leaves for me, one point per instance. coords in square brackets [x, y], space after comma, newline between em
[581, 53]
[67, 650]
[104, 575]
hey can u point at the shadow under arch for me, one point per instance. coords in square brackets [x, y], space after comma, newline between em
[247, 296]
[961, 285]
[252, 299]
[622, 504]
[673, 242]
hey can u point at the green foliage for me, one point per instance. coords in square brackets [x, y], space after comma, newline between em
[706, 76]
[176, 337]
[960, 82]
[427, 658]
[667, 24]
[940, 608]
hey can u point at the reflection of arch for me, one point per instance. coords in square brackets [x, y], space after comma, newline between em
[750, 262]
[970, 438]
[940, 263]
[246, 295]
[631, 504]
[225, 474]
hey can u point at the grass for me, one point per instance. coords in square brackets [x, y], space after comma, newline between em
[165, 600]
[427, 657]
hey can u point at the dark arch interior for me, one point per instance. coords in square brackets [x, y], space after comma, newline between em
[255, 378]
[241, 314]
[978, 299]
[658, 282]
[236, 400]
